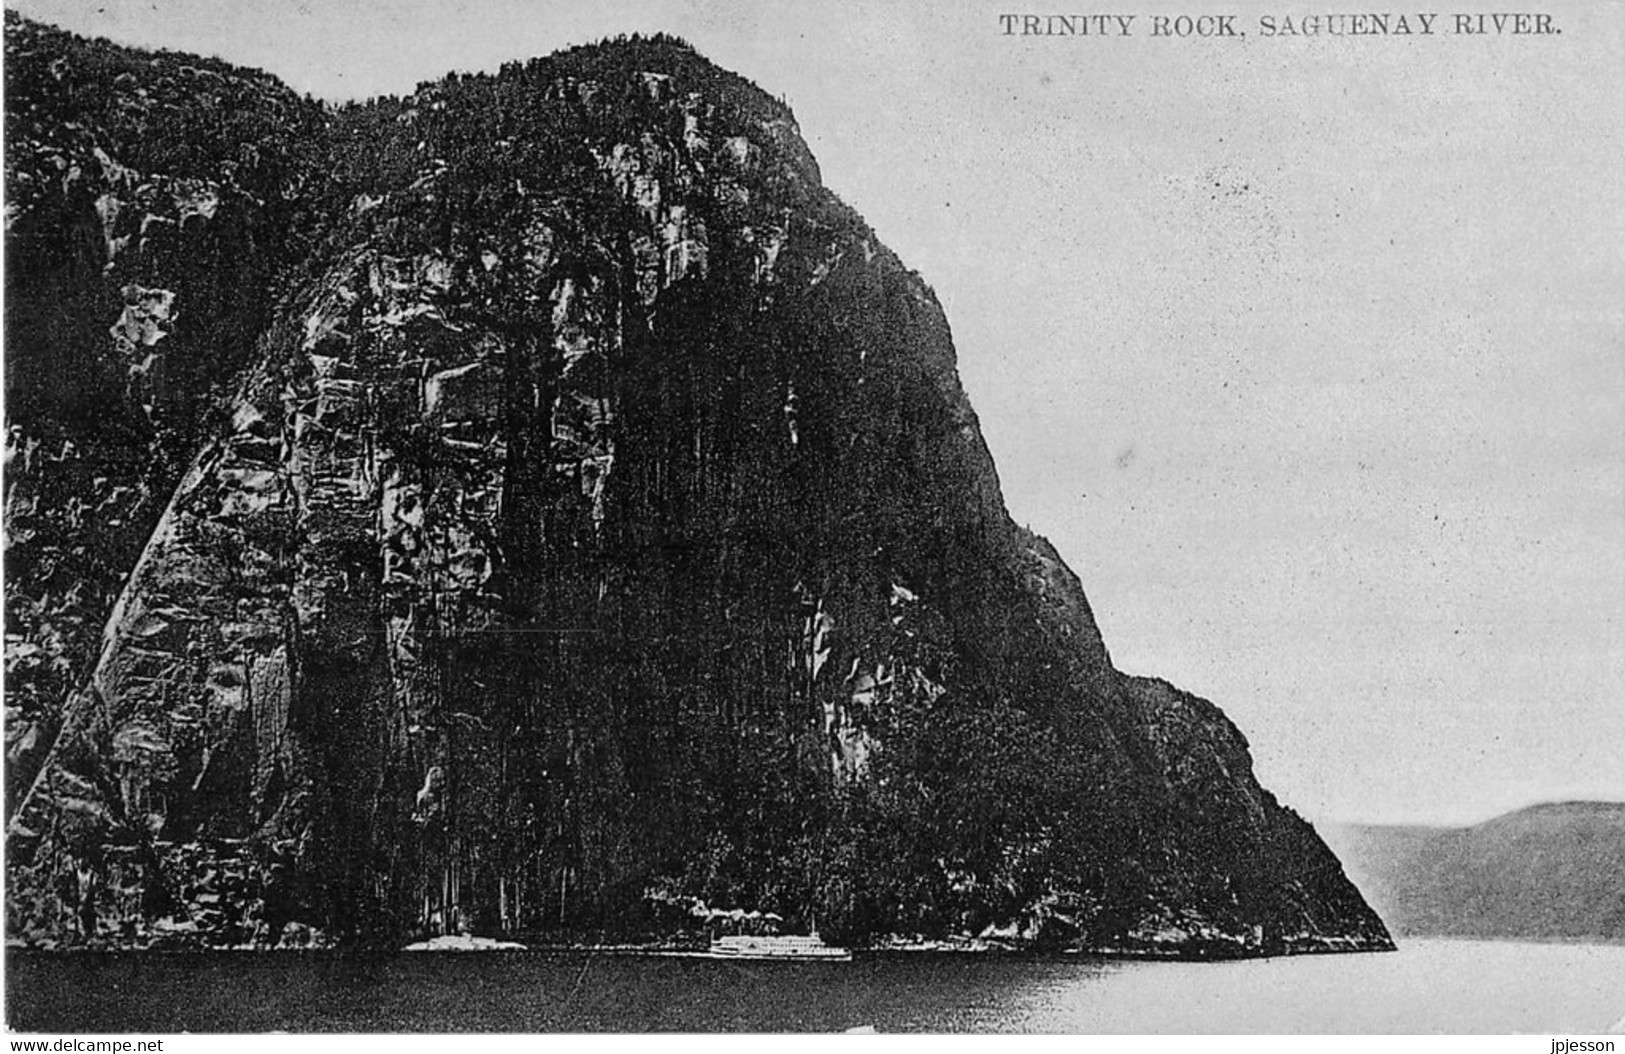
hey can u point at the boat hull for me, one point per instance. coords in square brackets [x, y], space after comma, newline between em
[838, 956]
[785, 949]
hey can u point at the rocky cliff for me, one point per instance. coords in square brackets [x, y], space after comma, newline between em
[537, 506]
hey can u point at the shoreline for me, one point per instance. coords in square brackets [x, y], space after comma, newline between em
[967, 949]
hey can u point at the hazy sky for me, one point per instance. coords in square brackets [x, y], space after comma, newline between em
[1308, 354]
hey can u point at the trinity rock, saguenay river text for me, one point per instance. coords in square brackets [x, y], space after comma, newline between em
[1365, 24]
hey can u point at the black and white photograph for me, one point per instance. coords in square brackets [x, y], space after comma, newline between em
[694, 516]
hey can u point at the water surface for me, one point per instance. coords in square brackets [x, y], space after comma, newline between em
[1427, 986]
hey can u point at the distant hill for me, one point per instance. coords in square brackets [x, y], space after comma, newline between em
[1548, 871]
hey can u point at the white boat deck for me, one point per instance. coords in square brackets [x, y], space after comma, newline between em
[790, 948]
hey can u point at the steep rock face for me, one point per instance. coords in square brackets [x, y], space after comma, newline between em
[596, 530]
[150, 203]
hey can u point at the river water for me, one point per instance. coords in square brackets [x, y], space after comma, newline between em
[1427, 986]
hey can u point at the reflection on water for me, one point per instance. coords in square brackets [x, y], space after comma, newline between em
[1428, 986]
